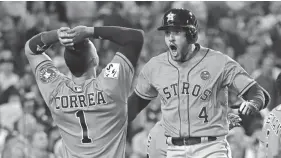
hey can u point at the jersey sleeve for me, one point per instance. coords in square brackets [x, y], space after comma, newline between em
[236, 77]
[48, 79]
[116, 78]
[144, 88]
[46, 74]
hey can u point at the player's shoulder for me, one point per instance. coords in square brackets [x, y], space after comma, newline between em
[211, 53]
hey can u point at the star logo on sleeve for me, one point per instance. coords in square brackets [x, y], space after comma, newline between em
[47, 74]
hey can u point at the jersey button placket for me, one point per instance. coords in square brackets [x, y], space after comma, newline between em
[187, 122]
[183, 103]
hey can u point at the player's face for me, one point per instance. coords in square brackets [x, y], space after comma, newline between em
[175, 40]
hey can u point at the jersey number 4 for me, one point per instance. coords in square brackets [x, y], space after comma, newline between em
[203, 114]
[81, 116]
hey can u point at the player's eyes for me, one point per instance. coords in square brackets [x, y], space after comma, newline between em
[167, 32]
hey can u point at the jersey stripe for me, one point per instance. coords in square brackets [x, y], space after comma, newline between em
[246, 88]
[226, 147]
[40, 64]
[126, 60]
[178, 71]
[189, 127]
[144, 96]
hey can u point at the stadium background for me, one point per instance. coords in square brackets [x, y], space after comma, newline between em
[249, 32]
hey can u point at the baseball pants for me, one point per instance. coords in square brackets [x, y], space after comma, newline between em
[213, 149]
[156, 145]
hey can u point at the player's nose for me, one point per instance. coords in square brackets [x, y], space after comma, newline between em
[171, 37]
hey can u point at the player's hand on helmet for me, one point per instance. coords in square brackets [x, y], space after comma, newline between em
[80, 33]
[234, 120]
[248, 108]
[65, 35]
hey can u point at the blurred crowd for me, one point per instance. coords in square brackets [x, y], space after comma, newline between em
[249, 32]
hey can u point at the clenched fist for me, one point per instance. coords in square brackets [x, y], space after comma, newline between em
[248, 108]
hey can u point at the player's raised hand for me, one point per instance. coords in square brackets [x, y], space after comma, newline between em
[248, 108]
[65, 35]
[80, 33]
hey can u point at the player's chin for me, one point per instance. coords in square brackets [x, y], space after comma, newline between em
[174, 55]
[175, 58]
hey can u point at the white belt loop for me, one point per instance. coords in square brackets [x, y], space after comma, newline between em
[204, 139]
[169, 141]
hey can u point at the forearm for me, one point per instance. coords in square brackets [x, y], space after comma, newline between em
[41, 42]
[135, 106]
[255, 94]
[118, 35]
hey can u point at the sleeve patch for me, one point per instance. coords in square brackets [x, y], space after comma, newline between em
[112, 70]
[47, 73]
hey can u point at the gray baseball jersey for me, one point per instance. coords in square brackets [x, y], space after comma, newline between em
[271, 139]
[92, 118]
[194, 94]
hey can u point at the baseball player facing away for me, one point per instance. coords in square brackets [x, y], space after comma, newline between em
[192, 82]
[90, 111]
[271, 136]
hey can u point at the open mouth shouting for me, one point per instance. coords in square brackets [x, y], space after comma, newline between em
[173, 49]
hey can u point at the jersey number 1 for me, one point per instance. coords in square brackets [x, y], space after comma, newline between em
[81, 116]
[203, 114]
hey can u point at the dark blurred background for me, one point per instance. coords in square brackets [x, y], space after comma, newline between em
[249, 32]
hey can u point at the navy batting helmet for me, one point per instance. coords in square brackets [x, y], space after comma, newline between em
[181, 18]
[79, 59]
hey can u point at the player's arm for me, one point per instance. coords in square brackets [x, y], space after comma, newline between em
[135, 105]
[36, 46]
[130, 40]
[118, 75]
[256, 98]
[46, 74]
[144, 92]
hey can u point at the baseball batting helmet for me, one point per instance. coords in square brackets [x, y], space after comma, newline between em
[181, 18]
[79, 60]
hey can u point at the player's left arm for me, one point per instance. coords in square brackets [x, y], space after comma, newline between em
[256, 98]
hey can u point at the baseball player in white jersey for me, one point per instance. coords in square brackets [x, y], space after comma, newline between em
[192, 82]
[90, 111]
[270, 146]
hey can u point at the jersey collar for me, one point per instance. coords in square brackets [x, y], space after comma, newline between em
[199, 55]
